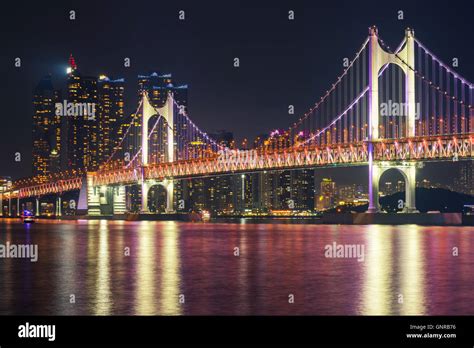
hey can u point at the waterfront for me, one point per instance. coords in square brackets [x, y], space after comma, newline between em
[195, 263]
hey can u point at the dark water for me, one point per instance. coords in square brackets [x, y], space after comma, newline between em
[169, 259]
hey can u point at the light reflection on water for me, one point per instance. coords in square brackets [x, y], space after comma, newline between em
[407, 270]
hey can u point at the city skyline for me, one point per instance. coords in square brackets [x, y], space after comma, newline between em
[80, 124]
[92, 143]
[274, 191]
[206, 58]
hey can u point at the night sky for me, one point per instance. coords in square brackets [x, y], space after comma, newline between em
[282, 62]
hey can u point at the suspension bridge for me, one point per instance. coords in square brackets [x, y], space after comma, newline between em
[390, 108]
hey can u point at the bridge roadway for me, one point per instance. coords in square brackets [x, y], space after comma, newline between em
[416, 149]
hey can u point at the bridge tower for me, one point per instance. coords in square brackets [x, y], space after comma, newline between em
[167, 112]
[378, 57]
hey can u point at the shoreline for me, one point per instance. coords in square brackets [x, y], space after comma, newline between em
[421, 219]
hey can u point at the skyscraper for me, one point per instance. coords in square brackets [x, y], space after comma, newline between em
[46, 129]
[158, 85]
[327, 195]
[222, 196]
[464, 180]
[83, 129]
[282, 190]
[110, 115]
[302, 189]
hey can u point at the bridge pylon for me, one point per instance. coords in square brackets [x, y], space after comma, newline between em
[405, 59]
[167, 112]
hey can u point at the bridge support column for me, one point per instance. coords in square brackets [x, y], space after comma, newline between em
[169, 184]
[119, 204]
[1, 204]
[374, 177]
[408, 171]
[58, 206]
[409, 55]
[18, 207]
[378, 57]
[167, 111]
[93, 196]
[373, 131]
[37, 210]
[145, 189]
[9, 206]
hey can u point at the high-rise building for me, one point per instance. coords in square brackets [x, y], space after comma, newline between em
[327, 194]
[83, 127]
[197, 194]
[222, 198]
[262, 191]
[46, 129]
[302, 189]
[110, 115]
[464, 181]
[282, 190]
[347, 193]
[223, 137]
[400, 185]
[5, 185]
[158, 85]
[241, 186]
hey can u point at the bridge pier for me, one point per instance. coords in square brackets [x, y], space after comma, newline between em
[37, 209]
[374, 177]
[58, 206]
[168, 184]
[119, 203]
[93, 196]
[112, 199]
[145, 188]
[408, 171]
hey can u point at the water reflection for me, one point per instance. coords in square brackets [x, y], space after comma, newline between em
[170, 303]
[169, 259]
[103, 293]
[146, 275]
[67, 274]
[377, 285]
[412, 272]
